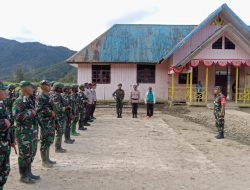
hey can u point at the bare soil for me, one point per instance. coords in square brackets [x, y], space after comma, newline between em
[165, 152]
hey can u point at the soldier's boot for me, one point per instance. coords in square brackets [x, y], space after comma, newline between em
[73, 130]
[68, 140]
[86, 124]
[133, 115]
[58, 145]
[220, 136]
[136, 115]
[45, 162]
[81, 126]
[50, 161]
[32, 176]
[25, 178]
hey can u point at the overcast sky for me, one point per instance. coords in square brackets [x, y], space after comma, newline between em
[75, 23]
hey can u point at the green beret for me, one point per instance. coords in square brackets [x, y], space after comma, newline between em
[74, 86]
[11, 86]
[24, 84]
[2, 86]
[58, 85]
[44, 82]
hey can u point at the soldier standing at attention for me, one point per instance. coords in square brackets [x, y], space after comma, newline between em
[135, 99]
[119, 95]
[4, 142]
[219, 111]
[46, 115]
[68, 111]
[10, 100]
[26, 131]
[59, 110]
[75, 101]
[82, 108]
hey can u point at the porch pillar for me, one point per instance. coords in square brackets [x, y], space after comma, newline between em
[191, 86]
[229, 82]
[206, 84]
[245, 84]
[237, 85]
[172, 95]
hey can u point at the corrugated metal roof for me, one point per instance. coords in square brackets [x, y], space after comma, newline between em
[237, 22]
[129, 43]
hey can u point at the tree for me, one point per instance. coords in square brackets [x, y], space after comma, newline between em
[19, 73]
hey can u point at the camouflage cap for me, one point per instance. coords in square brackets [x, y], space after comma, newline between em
[67, 86]
[58, 85]
[74, 86]
[82, 86]
[2, 86]
[44, 82]
[120, 84]
[24, 84]
[11, 86]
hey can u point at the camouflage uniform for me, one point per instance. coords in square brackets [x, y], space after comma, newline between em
[82, 108]
[9, 102]
[4, 143]
[119, 96]
[59, 109]
[68, 113]
[218, 102]
[75, 101]
[26, 133]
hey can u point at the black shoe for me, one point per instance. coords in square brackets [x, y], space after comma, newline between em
[220, 136]
[83, 128]
[87, 124]
[93, 118]
[90, 120]
[69, 141]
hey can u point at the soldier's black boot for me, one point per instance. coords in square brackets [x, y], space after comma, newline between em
[45, 162]
[58, 145]
[86, 124]
[25, 178]
[133, 115]
[220, 135]
[136, 115]
[48, 153]
[32, 176]
[68, 140]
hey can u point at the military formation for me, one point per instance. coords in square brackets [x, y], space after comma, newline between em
[53, 112]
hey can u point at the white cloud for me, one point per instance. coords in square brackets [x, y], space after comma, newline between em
[75, 23]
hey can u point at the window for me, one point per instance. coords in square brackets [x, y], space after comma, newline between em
[183, 77]
[145, 73]
[229, 44]
[217, 44]
[101, 74]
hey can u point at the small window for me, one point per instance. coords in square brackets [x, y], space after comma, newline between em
[183, 77]
[229, 44]
[101, 74]
[217, 44]
[145, 73]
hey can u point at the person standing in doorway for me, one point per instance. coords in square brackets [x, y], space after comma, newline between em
[199, 92]
[119, 95]
[150, 101]
[135, 99]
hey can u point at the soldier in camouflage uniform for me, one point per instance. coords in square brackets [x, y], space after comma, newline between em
[75, 101]
[10, 100]
[59, 109]
[119, 95]
[4, 142]
[26, 132]
[68, 103]
[82, 108]
[47, 116]
[219, 111]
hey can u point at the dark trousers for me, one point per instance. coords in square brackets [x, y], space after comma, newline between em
[93, 109]
[88, 112]
[150, 109]
[134, 108]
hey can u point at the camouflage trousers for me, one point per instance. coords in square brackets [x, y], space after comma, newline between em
[219, 122]
[27, 138]
[4, 162]
[75, 119]
[119, 106]
[61, 126]
[82, 116]
[47, 135]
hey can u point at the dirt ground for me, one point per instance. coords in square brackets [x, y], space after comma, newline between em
[165, 152]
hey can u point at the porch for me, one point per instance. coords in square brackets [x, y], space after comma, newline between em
[233, 76]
